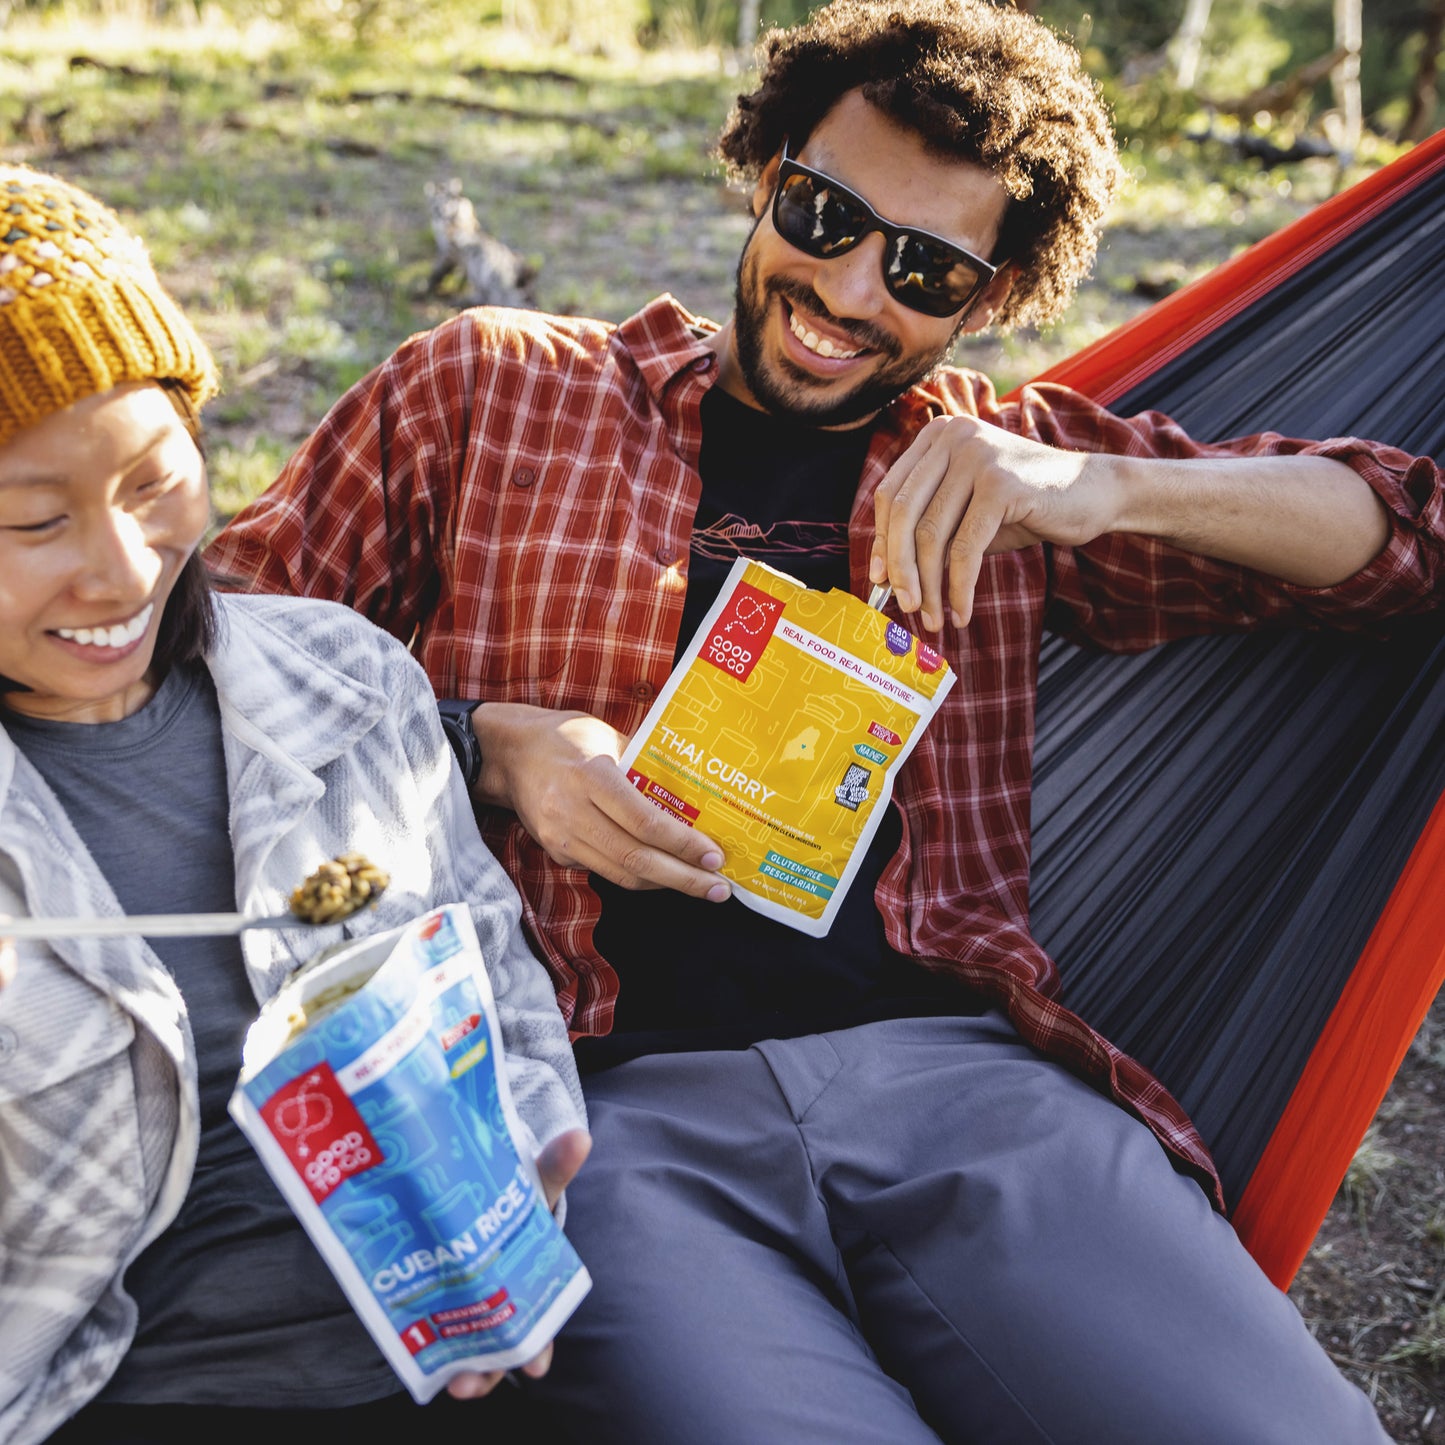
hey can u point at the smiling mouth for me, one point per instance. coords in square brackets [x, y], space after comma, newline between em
[821, 345]
[121, 634]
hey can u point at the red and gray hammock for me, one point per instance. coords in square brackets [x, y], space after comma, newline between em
[1239, 842]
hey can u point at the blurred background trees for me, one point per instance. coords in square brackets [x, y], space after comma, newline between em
[1372, 65]
[1304, 63]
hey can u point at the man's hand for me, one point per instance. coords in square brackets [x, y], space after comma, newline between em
[558, 1164]
[558, 771]
[965, 488]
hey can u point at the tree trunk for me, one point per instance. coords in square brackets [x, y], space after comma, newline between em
[1423, 92]
[747, 24]
[1188, 41]
[1349, 36]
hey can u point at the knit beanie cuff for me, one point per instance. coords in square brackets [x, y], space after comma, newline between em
[81, 309]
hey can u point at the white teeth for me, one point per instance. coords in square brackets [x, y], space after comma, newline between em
[822, 345]
[121, 635]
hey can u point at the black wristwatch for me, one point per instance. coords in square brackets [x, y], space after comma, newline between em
[456, 715]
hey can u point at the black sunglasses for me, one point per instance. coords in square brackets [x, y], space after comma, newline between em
[926, 273]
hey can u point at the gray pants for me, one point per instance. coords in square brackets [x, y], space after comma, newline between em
[912, 1231]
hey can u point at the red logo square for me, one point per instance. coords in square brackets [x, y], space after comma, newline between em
[736, 639]
[316, 1124]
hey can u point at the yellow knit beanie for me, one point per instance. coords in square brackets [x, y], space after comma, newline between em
[81, 309]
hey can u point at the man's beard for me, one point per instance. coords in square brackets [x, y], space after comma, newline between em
[787, 391]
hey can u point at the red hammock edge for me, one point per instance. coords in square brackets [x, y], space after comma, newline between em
[1402, 967]
[1114, 364]
[1351, 1066]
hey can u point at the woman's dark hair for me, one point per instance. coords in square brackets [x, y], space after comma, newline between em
[190, 621]
[976, 81]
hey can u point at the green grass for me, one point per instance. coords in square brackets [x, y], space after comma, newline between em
[1425, 1346]
[282, 194]
[238, 473]
[1368, 1175]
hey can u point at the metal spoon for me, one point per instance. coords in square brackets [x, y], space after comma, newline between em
[153, 925]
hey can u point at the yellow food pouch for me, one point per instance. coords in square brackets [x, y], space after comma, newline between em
[778, 734]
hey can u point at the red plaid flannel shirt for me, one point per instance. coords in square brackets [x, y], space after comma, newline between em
[513, 493]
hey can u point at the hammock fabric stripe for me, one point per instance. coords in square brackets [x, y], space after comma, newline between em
[1111, 366]
[1363, 1044]
[1237, 840]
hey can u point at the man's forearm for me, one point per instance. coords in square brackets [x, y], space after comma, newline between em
[1308, 520]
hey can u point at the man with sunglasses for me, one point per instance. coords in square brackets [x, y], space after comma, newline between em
[878, 1186]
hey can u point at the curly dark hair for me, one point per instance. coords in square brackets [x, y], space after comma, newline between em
[974, 80]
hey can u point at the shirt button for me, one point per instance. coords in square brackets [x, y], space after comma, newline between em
[524, 477]
[703, 363]
[8, 1044]
[643, 691]
[668, 559]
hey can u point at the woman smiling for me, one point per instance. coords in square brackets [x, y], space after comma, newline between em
[102, 507]
[164, 749]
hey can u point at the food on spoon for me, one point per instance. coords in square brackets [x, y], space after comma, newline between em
[338, 888]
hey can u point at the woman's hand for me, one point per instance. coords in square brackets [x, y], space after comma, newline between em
[557, 1164]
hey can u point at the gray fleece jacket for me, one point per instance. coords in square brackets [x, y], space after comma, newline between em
[332, 744]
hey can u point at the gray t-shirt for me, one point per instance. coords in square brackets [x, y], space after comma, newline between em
[236, 1304]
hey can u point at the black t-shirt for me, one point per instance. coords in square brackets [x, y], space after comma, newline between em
[697, 975]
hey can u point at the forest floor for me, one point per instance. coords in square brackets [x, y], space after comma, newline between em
[281, 189]
[1373, 1288]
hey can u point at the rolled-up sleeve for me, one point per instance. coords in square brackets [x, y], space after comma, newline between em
[1126, 592]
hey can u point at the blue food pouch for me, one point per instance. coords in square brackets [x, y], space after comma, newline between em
[373, 1089]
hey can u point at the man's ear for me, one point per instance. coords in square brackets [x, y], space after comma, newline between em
[994, 295]
[766, 183]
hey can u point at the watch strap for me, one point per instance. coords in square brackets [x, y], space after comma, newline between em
[456, 715]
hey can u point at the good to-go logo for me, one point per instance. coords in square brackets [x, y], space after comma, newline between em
[320, 1131]
[742, 629]
[346, 1155]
